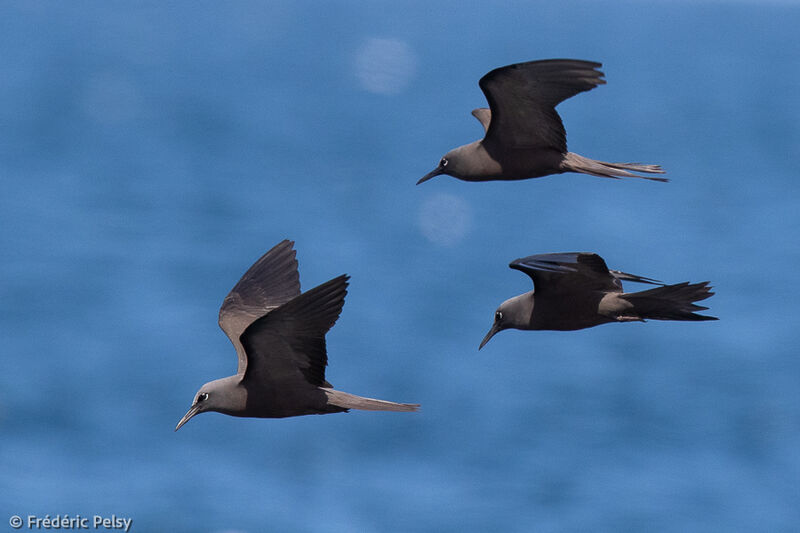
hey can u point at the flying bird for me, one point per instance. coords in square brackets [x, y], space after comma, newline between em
[577, 290]
[279, 336]
[525, 137]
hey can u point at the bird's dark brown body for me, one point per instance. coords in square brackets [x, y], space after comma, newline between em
[570, 312]
[297, 401]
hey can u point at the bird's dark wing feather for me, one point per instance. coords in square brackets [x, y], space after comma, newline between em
[272, 281]
[624, 276]
[289, 342]
[567, 272]
[522, 98]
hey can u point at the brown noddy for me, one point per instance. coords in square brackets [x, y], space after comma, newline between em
[279, 336]
[577, 290]
[525, 137]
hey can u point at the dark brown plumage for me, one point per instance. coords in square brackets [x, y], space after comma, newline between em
[525, 137]
[576, 290]
[279, 336]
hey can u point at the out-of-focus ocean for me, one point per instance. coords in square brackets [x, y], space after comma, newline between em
[150, 153]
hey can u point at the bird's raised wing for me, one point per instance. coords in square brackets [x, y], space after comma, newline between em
[272, 281]
[522, 98]
[288, 344]
[567, 272]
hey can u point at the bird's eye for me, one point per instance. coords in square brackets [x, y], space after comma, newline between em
[498, 316]
[203, 397]
[443, 162]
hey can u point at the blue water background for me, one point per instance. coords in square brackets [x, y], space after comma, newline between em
[149, 154]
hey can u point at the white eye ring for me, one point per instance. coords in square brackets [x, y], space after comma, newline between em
[498, 316]
[443, 162]
[202, 397]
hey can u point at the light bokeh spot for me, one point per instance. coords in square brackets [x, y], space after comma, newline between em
[385, 66]
[445, 219]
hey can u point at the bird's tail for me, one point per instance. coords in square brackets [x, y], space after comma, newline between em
[577, 163]
[671, 302]
[351, 401]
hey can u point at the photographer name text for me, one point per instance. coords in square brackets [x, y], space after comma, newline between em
[68, 522]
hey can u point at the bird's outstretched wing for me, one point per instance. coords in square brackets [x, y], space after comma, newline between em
[522, 98]
[272, 281]
[567, 273]
[288, 344]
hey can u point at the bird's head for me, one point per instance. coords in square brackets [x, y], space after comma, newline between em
[449, 164]
[498, 325]
[513, 313]
[213, 396]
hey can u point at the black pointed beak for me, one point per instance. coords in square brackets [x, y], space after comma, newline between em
[433, 173]
[189, 414]
[495, 329]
